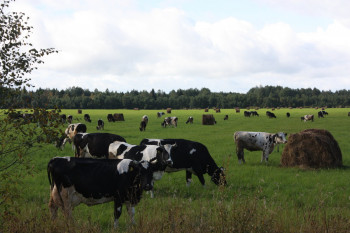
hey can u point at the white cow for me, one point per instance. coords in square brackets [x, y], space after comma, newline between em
[255, 141]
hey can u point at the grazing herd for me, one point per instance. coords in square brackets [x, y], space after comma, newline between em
[106, 168]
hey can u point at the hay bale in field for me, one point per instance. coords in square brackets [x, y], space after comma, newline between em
[312, 148]
[118, 117]
[80, 111]
[208, 119]
[206, 110]
[168, 110]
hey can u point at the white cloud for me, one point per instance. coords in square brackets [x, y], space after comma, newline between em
[114, 45]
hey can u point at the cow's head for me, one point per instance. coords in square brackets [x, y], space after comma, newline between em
[219, 177]
[280, 138]
[163, 156]
[143, 174]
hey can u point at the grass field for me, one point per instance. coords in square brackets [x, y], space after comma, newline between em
[259, 197]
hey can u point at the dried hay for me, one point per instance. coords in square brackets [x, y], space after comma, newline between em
[208, 119]
[312, 148]
[118, 117]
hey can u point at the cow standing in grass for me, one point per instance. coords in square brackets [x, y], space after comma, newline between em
[257, 141]
[93, 181]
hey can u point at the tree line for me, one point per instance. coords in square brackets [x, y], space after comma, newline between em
[267, 96]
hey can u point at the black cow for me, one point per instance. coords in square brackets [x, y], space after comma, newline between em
[270, 114]
[100, 125]
[95, 181]
[288, 114]
[63, 118]
[320, 114]
[226, 117]
[193, 157]
[87, 118]
[247, 114]
[70, 119]
[189, 120]
[143, 125]
[94, 144]
[110, 118]
[254, 113]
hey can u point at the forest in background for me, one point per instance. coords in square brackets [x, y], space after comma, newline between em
[267, 96]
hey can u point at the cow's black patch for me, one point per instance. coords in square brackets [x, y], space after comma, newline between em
[121, 149]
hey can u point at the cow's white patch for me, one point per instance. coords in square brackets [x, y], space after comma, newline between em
[192, 151]
[145, 164]
[123, 166]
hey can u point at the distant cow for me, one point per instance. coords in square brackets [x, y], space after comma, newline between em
[324, 112]
[288, 114]
[70, 119]
[110, 118]
[307, 118]
[257, 141]
[254, 113]
[170, 121]
[143, 123]
[270, 114]
[87, 118]
[193, 157]
[226, 117]
[94, 144]
[320, 114]
[63, 118]
[69, 134]
[160, 114]
[247, 113]
[189, 120]
[100, 125]
[158, 156]
[74, 181]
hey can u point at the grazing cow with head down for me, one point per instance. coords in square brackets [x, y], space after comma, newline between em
[189, 120]
[247, 113]
[270, 114]
[193, 157]
[170, 121]
[257, 141]
[94, 144]
[226, 117]
[158, 156]
[100, 125]
[87, 118]
[69, 134]
[160, 114]
[93, 181]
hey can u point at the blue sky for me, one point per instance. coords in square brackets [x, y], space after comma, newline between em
[166, 44]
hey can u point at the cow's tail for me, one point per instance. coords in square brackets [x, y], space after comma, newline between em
[49, 174]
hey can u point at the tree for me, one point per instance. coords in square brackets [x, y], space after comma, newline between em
[20, 132]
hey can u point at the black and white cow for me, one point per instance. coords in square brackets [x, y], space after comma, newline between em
[189, 120]
[95, 181]
[257, 141]
[87, 118]
[320, 114]
[70, 119]
[100, 125]
[160, 114]
[193, 157]
[170, 121]
[158, 156]
[307, 118]
[69, 134]
[94, 144]
[270, 114]
[143, 123]
[247, 113]
[226, 117]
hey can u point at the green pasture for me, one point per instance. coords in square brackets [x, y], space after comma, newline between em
[287, 199]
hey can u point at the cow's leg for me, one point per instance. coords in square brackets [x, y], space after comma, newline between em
[131, 212]
[240, 154]
[188, 178]
[52, 205]
[117, 212]
[201, 178]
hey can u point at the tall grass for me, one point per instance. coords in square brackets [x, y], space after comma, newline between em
[259, 197]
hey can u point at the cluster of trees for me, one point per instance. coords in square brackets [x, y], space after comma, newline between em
[268, 96]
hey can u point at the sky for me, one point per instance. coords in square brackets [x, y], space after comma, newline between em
[223, 45]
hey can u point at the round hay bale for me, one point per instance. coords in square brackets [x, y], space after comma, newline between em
[206, 110]
[118, 117]
[208, 119]
[312, 148]
[168, 110]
